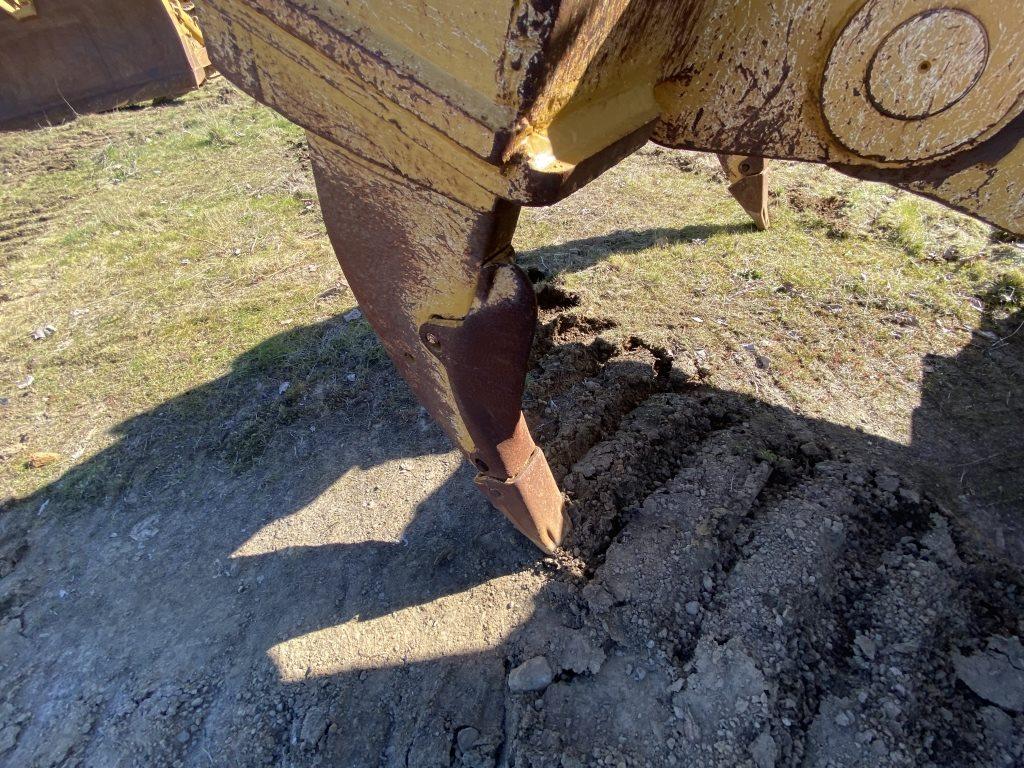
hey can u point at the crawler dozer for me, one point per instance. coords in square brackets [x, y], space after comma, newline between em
[61, 58]
[431, 122]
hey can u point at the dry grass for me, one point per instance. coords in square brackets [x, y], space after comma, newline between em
[846, 293]
[177, 240]
[180, 255]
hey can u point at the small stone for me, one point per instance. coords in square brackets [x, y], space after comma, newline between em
[693, 607]
[764, 750]
[352, 315]
[812, 450]
[888, 483]
[314, 725]
[145, 529]
[995, 674]
[910, 495]
[581, 656]
[466, 738]
[183, 736]
[532, 675]
[866, 646]
[9, 736]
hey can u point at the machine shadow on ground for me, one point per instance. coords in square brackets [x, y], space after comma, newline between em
[577, 255]
[127, 598]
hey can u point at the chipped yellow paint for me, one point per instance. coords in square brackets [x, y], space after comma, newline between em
[184, 21]
[427, 33]
[188, 30]
[329, 101]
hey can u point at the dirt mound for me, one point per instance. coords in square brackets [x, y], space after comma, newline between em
[751, 596]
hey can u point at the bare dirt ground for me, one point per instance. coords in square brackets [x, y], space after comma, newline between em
[747, 584]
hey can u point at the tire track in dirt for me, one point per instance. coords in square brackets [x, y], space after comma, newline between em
[18, 227]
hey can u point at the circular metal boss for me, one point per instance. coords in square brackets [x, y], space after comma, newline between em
[927, 64]
[910, 80]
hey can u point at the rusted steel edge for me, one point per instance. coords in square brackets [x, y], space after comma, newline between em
[532, 501]
[488, 391]
[748, 185]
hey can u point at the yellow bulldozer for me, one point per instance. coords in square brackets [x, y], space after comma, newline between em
[62, 58]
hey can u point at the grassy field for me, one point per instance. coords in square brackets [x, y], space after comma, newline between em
[157, 250]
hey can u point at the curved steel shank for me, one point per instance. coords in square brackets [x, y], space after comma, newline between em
[435, 279]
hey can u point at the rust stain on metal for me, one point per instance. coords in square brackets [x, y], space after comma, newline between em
[532, 501]
[430, 123]
[748, 183]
